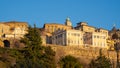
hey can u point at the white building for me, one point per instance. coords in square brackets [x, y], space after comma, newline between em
[95, 39]
[68, 37]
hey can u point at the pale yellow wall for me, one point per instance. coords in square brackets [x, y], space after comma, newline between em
[74, 38]
[95, 39]
[88, 29]
[104, 31]
[68, 37]
[19, 30]
[13, 29]
[4, 29]
[53, 27]
[99, 40]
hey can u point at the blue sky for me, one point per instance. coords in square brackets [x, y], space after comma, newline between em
[98, 13]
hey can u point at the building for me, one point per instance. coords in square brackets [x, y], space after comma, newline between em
[13, 29]
[103, 31]
[68, 38]
[83, 26]
[95, 39]
[50, 28]
[4, 29]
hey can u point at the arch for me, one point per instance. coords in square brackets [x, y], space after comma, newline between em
[6, 43]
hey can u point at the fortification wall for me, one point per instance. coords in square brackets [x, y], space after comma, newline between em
[85, 55]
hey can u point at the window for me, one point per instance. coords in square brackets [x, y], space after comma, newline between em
[74, 42]
[68, 33]
[78, 41]
[81, 39]
[94, 36]
[103, 37]
[68, 41]
[74, 34]
[56, 37]
[78, 34]
[71, 41]
[95, 43]
[97, 36]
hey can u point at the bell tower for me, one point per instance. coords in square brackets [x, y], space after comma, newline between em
[68, 22]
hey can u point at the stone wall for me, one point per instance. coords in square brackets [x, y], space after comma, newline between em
[85, 55]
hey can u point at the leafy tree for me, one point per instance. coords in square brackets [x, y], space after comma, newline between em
[101, 62]
[32, 38]
[48, 58]
[36, 56]
[69, 62]
[32, 56]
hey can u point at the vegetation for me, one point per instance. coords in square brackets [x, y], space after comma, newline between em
[33, 55]
[101, 62]
[69, 62]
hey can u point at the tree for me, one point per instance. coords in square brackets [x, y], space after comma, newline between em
[32, 38]
[36, 56]
[32, 56]
[69, 62]
[100, 62]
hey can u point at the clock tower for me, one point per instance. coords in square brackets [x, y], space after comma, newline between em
[68, 22]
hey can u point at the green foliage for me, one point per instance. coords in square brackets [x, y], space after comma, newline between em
[101, 62]
[35, 55]
[32, 56]
[9, 57]
[69, 62]
[49, 58]
[32, 38]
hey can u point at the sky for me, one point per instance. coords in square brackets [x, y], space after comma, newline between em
[97, 13]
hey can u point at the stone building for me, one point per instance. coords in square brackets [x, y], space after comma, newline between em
[68, 37]
[50, 28]
[93, 37]
[13, 29]
[4, 29]
[83, 26]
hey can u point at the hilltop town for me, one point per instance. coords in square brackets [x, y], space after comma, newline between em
[82, 41]
[82, 35]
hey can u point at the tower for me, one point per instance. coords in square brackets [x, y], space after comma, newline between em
[68, 22]
[114, 28]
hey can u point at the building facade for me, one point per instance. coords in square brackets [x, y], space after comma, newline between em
[95, 39]
[68, 38]
[50, 28]
[13, 29]
[83, 26]
[4, 29]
